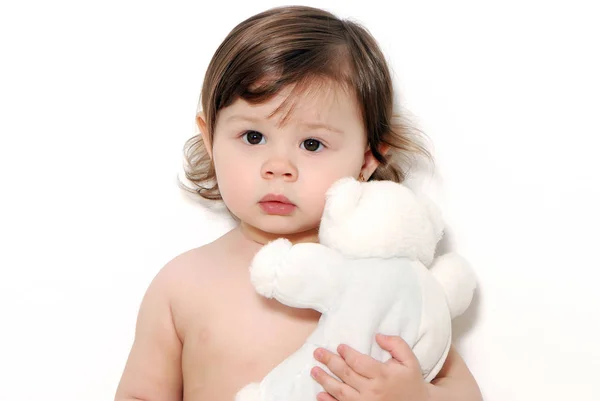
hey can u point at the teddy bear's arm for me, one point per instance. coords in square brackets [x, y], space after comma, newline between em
[304, 275]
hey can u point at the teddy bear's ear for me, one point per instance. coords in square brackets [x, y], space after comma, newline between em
[342, 198]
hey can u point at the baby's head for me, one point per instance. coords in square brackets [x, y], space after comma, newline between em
[294, 99]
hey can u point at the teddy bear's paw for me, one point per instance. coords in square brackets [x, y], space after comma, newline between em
[263, 270]
[249, 393]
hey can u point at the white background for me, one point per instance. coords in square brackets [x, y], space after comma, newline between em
[98, 97]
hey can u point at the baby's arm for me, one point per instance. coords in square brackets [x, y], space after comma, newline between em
[153, 369]
[302, 276]
[455, 381]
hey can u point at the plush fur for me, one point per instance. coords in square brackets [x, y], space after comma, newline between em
[369, 274]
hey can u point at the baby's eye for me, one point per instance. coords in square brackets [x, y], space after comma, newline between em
[312, 145]
[253, 138]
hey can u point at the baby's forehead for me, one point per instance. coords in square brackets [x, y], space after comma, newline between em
[316, 104]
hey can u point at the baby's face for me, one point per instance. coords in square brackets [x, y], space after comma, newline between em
[273, 176]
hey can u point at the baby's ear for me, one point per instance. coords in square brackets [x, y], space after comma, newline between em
[201, 124]
[342, 198]
[370, 163]
[384, 148]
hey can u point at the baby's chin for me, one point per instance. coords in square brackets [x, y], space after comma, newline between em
[264, 232]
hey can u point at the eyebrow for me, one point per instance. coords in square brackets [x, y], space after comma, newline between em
[309, 125]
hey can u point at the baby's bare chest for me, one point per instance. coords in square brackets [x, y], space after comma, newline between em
[233, 336]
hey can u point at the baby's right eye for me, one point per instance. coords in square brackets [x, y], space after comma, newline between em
[253, 138]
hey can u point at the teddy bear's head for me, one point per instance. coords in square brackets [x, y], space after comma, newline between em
[379, 219]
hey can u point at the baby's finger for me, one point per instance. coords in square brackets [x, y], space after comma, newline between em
[325, 397]
[399, 350]
[340, 368]
[337, 389]
[362, 364]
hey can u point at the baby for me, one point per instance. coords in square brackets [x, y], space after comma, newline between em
[293, 99]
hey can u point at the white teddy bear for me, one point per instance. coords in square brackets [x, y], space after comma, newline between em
[367, 275]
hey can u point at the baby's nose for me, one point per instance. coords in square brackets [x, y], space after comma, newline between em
[279, 168]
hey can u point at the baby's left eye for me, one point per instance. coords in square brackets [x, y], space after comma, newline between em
[312, 145]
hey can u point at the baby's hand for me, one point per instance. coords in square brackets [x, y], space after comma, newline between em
[366, 379]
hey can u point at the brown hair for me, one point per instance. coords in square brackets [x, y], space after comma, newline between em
[299, 45]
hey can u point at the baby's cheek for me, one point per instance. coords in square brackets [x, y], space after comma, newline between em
[314, 198]
[234, 194]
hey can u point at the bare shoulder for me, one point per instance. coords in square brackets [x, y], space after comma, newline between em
[153, 370]
[177, 276]
[192, 280]
[186, 265]
[188, 268]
